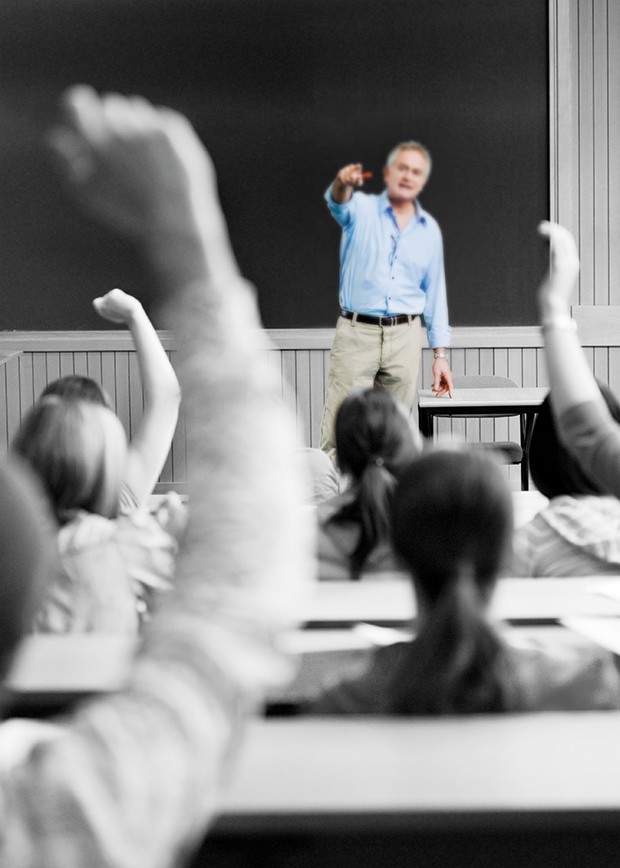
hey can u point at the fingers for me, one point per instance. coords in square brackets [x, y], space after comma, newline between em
[352, 175]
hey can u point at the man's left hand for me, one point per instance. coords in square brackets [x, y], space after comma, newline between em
[442, 378]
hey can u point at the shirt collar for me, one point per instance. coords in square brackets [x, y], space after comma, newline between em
[420, 213]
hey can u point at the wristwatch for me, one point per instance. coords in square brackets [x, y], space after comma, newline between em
[440, 355]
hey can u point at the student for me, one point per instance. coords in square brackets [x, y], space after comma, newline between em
[458, 662]
[578, 532]
[134, 778]
[584, 423]
[111, 567]
[151, 441]
[319, 472]
[374, 439]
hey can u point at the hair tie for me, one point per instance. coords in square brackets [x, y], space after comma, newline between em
[379, 461]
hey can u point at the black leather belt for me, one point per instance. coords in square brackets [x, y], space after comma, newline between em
[380, 320]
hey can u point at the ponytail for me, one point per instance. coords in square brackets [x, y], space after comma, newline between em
[370, 510]
[457, 664]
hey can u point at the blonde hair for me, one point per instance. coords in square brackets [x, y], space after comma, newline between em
[79, 451]
[410, 146]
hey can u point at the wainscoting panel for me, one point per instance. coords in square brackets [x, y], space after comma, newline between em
[300, 360]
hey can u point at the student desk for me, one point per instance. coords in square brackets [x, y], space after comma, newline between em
[389, 600]
[51, 672]
[515, 790]
[520, 401]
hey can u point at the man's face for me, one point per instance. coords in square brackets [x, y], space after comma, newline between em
[406, 176]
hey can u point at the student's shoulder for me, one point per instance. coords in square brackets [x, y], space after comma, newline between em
[563, 675]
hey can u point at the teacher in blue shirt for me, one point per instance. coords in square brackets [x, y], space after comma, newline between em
[391, 274]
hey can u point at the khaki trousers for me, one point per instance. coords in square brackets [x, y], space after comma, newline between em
[363, 356]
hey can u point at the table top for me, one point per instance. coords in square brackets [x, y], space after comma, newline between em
[388, 599]
[521, 396]
[305, 773]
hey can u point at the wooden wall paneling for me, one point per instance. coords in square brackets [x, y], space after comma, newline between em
[80, 363]
[564, 112]
[303, 388]
[586, 129]
[4, 422]
[600, 363]
[600, 83]
[137, 410]
[288, 388]
[39, 373]
[52, 365]
[318, 379]
[613, 114]
[66, 360]
[274, 360]
[108, 376]
[93, 365]
[598, 325]
[26, 383]
[614, 369]
[13, 398]
[179, 469]
[121, 383]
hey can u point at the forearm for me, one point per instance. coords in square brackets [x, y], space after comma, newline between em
[341, 192]
[570, 377]
[159, 381]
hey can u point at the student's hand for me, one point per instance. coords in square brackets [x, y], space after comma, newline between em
[554, 295]
[142, 171]
[117, 306]
[172, 515]
[442, 378]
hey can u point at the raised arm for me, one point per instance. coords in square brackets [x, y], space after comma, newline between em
[583, 420]
[150, 443]
[348, 179]
[570, 376]
[138, 774]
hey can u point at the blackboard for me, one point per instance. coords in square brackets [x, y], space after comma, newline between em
[284, 92]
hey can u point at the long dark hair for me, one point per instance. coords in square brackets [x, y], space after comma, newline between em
[374, 439]
[452, 525]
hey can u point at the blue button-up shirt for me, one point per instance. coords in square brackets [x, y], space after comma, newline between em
[384, 271]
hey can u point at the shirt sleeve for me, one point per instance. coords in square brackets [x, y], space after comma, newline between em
[343, 212]
[436, 305]
[593, 437]
[133, 779]
[523, 555]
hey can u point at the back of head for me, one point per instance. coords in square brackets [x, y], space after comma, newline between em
[372, 429]
[555, 471]
[374, 440]
[452, 525]
[26, 553]
[75, 387]
[452, 510]
[78, 449]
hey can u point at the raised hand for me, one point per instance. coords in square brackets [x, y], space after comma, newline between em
[117, 306]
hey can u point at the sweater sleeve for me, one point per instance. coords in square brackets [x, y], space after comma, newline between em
[593, 437]
[133, 779]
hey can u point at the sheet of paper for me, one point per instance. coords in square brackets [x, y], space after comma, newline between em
[604, 631]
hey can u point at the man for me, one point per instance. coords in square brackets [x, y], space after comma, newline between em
[391, 273]
[132, 779]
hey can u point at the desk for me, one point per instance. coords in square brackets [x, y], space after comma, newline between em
[522, 401]
[390, 601]
[407, 792]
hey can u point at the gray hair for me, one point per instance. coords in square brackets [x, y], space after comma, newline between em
[409, 146]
